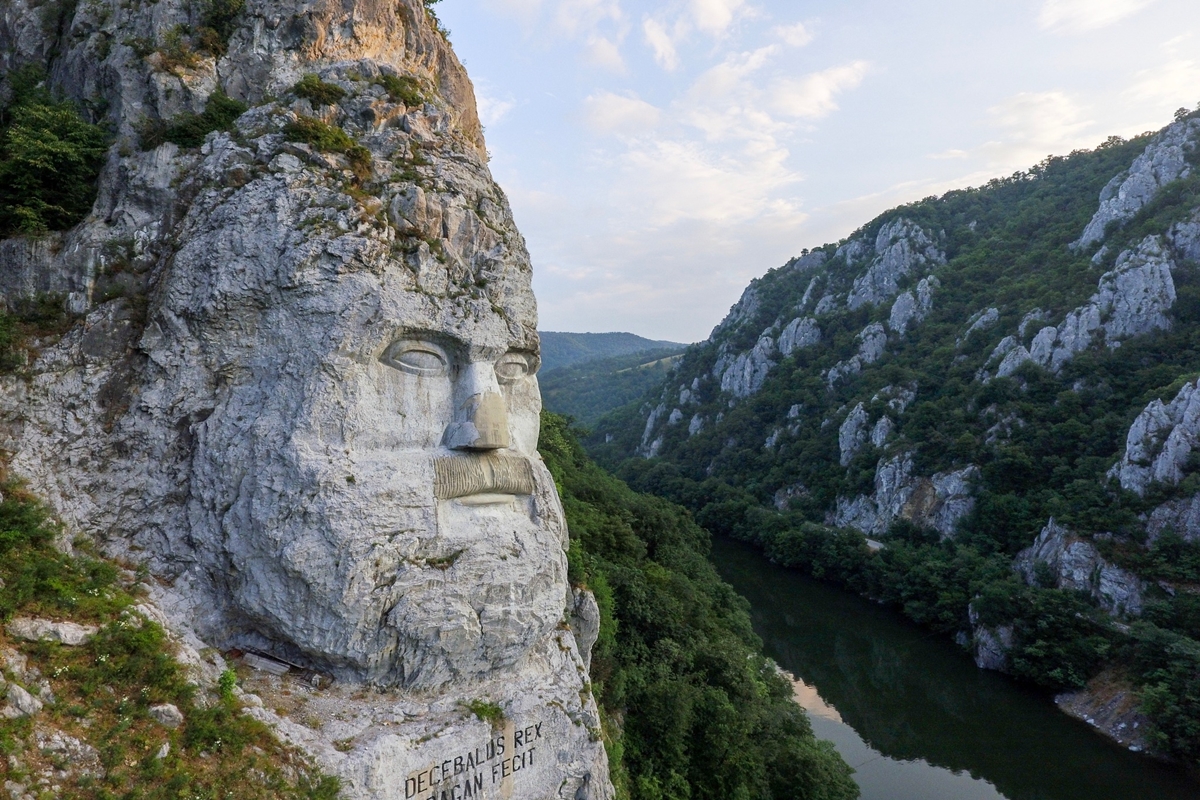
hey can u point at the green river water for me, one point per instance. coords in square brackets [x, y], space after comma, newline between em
[913, 715]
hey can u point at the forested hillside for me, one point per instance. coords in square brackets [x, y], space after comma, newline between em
[564, 349]
[982, 408]
[588, 390]
[691, 707]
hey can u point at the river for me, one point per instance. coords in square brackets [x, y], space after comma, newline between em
[911, 713]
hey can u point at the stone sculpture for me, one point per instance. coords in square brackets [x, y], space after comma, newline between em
[311, 408]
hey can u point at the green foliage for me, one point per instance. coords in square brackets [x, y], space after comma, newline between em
[104, 689]
[189, 130]
[50, 158]
[402, 88]
[588, 390]
[330, 139]
[220, 20]
[561, 349]
[318, 91]
[487, 711]
[1043, 443]
[704, 714]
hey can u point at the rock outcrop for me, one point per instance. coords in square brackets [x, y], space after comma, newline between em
[937, 502]
[1132, 299]
[1163, 161]
[1160, 441]
[312, 410]
[852, 434]
[1074, 563]
[797, 335]
[900, 248]
[910, 308]
[744, 374]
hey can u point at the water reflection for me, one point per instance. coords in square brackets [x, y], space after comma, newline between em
[912, 713]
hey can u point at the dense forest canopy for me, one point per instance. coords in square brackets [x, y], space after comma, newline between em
[760, 443]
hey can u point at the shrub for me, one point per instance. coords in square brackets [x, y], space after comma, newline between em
[402, 88]
[188, 129]
[318, 91]
[219, 23]
[50, 158]
[330, 139]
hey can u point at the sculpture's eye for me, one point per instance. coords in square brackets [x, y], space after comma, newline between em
[512, 367]
[416, 358]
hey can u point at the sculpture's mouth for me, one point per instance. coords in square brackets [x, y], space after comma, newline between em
[481, 479]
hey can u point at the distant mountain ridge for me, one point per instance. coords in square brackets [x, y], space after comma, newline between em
[587, 390]
[561, 349]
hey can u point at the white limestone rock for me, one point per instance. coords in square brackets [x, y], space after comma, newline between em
[167, 715]
[1184, 237]
[990, 645]
[1077, 565]
[852, 434]
[900, 247]
[797, 335]
[1159, 441]
[872, 343]
[1136, 295]
[898, 397]
[32, 629]
[826, 304]
[1164, 160]
[1181, 516]
[1132, 299]
[744, 374]
[20, 703]
[881, 431]
[903, 310]
[937, 502]
[696, 425]
[320, 427]
[979, 321]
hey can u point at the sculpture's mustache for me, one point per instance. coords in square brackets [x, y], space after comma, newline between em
[461, 476]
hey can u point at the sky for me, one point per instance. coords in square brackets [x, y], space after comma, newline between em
[658, 155]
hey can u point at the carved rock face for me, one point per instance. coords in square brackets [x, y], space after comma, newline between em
[369, 450]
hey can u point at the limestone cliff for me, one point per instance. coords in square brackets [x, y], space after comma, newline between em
[302, 388]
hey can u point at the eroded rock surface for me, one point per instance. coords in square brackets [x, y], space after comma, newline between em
[1160, 441]
[938, 501]
[306, 365]
[900, 248]
[1164, 160]
[1132, 299]
[1074, 563]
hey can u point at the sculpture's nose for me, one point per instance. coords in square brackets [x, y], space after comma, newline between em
[480, 413]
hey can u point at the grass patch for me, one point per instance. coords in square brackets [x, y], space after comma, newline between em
[103, 690]
[487, 711]
[402, 89]
[318, 91]
[330, 139]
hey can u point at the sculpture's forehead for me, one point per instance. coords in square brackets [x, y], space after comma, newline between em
[499, 315]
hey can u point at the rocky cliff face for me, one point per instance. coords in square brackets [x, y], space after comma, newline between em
[302, 391]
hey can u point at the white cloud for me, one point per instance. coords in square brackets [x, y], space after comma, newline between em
[576, 17]
[715, 16]
[1076, 16]
[492, 110]
[1034, 125]
[601, 52]
[814, 96]
[1166, 87]
[606, 112]
[660, 41]
[793, 35]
